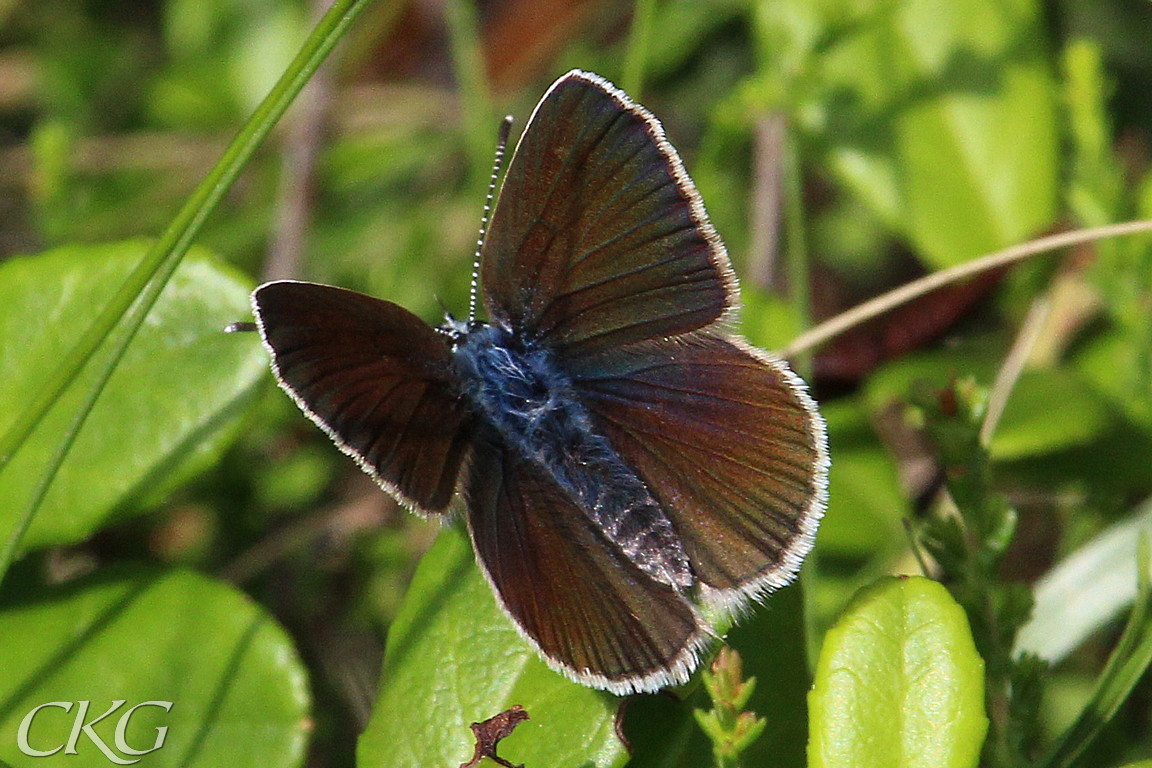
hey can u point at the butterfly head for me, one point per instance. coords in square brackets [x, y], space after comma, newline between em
[458, 330]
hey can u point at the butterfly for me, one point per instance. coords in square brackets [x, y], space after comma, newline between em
[624, 457]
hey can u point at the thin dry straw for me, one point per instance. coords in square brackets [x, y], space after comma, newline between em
[833, 327]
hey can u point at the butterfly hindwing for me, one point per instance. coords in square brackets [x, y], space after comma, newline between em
[590, 611]
[599, 237]
[728, 442]
[376, 378]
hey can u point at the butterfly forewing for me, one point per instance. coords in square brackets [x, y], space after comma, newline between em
[376, 378]
[598, 237]
[728, 442]
[588, 609]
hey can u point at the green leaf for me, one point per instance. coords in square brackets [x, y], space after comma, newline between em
[136, 295]
[167, 409]
[238, 690]
[1049, 410]
[941, 116]
[976, 358]
[453, 658]
[899, 683]
[865, 501]
[1113, 363]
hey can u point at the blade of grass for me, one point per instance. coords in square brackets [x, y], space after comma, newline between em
[1086, 590]
[140, 291]
[1123, 671]
[796, 255]
[472, 84]
[636, 55]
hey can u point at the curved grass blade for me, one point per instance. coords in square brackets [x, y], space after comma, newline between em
[139, 292]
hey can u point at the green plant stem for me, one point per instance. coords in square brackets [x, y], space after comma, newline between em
[998, 682]
[472, 84]
[636, 55]
[977, 581]
[798, 268]
[796, 254]
[969, 547]
[981, 579]
[139, 292]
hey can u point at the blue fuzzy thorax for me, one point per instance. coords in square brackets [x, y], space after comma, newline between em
[519, 389]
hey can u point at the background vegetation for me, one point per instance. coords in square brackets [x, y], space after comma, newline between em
[179, 532]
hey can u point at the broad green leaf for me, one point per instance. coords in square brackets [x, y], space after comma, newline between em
[238, 690]
[454, 658]
[899, 683]
[182, 383]
[1060, 428]
[941, 116]
[1088, 589]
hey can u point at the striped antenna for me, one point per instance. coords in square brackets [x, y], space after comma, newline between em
[501, 145]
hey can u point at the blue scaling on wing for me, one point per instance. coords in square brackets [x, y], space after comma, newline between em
[529, 402]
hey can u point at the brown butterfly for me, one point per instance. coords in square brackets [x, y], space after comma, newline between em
[624, 456]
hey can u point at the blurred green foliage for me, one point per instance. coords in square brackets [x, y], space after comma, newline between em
[844, 145]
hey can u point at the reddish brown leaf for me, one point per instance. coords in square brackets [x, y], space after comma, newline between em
[490, 732]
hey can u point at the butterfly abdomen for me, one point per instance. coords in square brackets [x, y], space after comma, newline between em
[519, 390]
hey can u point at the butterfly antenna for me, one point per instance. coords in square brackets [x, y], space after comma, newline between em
[501, 145]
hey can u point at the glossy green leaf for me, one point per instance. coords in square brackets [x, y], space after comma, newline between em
[941, 116]
[454, 658]
[166, 409]
[238, 692]
[899, 683]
